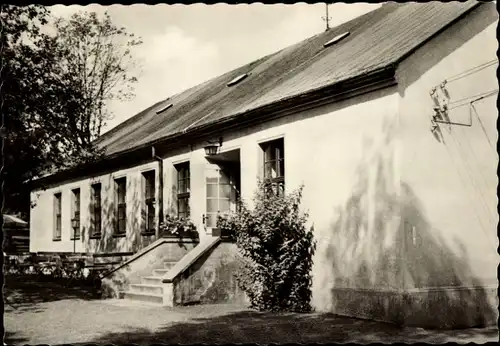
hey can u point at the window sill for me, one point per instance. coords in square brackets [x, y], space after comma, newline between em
[75, 238]
[95, 236]
[148, 233]
[56, 239]
[119, 235]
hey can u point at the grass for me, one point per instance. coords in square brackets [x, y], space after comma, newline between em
[51, 314]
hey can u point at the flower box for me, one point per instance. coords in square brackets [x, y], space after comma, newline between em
[180, 234]
[174, 227]
[221, 232]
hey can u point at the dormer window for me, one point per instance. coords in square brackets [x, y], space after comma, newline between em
[161, 110]
[237, 79]
[336, 39]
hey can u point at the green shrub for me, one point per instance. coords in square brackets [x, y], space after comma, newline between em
[276, 249]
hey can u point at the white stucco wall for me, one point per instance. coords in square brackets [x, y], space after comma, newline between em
[450, 183]
[323, 148]
[42, 220]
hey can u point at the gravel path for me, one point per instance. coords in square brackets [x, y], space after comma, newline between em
[44, 315]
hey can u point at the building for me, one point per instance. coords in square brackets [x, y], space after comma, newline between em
[389, 122]
[15, 235]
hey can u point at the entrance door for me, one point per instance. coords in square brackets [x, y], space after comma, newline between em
[222, 181]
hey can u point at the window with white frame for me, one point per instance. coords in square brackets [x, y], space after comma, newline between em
[274, 164]
[121, 205]
[57, 216]
[183, 189]
[95, 213]
[75, 220]
[149, 199]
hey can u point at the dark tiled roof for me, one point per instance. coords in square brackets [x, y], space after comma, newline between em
[377, 39]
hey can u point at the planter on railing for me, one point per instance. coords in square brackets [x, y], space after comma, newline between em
[222, 232]
[175, 227]
[180, 234]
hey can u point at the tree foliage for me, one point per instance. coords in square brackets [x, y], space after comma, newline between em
[56, 87]
[277, 250]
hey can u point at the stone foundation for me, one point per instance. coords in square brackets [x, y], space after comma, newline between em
[444, 308]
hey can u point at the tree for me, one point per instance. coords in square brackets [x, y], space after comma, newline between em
[55, 91]
[95, 64]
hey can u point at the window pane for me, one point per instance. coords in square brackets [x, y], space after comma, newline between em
[150, 184]
[270, 170]
[182, 186]
[280, 150]
[281, 168]
[211, 220]
[213, 180]
[212, 205]
[121, 226]
[270, 152]
[211, 190]
[121, 190]
[224, 205]
[183, 205]
[225, 191]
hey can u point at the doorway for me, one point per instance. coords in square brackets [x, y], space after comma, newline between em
[222, 186]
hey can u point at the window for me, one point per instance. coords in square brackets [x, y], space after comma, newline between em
[149, 199]
[237, 79]
[121, 205]
[183, 188]
[163, 109]
[336, 39]
[274, 165]
[220, 195]
[75, 220]
[96, 210]
[57, 216]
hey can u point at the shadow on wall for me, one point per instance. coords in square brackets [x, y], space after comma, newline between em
[133, 240]
[381, 240]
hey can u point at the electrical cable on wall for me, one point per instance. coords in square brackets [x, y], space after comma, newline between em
[442, 108]
[474, 156]
[453, 105]
[471, 71]
[482, 125]
[469, 170]
[457, 171]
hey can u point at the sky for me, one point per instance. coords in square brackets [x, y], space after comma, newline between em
[185, 45]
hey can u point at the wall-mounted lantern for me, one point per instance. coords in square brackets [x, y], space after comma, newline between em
[212, 148]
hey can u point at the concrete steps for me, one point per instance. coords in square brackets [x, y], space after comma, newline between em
[144, 297]
[160, 272]
[151, 287]
[151, 280]
[146, 288]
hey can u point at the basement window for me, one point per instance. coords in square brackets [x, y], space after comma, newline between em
[161, 110]
[237, 79]
[336, 39]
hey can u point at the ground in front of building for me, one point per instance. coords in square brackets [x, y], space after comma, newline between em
[50, 314]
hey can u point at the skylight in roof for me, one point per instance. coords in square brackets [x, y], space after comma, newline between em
[336, 39]
[164, 108]
[237, 79]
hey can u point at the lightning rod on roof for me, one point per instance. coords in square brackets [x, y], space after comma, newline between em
[326, 18]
